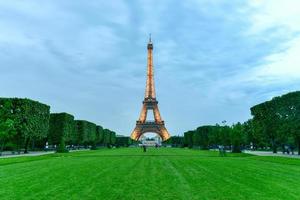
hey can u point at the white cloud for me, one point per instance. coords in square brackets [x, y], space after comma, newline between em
[283, 66]
[269, 13]
[272, 20]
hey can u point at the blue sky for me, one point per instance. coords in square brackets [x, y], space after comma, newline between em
[213, 59]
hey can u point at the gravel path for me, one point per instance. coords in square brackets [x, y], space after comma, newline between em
[32, 153]
[268, 153]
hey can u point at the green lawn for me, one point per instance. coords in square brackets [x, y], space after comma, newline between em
[164, 173]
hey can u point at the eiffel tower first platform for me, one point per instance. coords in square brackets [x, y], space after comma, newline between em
[150, 104]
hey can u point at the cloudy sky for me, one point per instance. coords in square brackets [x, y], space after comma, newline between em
[214, 59]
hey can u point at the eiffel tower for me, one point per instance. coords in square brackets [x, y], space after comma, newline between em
[150, 104]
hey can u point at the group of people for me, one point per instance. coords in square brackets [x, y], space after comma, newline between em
[222, 150]
[288, 149]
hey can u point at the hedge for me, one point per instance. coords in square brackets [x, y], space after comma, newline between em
[85, 132]
[24, 122]
[61, 127]
[30, 120]
[109, 137]
[99, 135]
[123, 141]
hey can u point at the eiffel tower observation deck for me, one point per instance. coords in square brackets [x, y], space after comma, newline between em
[150, 104]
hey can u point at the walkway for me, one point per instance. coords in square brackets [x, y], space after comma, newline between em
[269, 153]
[32, 153]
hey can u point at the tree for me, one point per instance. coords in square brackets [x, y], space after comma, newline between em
[237, 134]
[112, 138]
[201, 136]
[61, 148]
[267, 121]
[109, 137]
[175, 141]
[188, 139]
[123, 141]
[31, 120]
[224, 134]
[61, 127]
[85, 132]
[289, 110]
[278, 119]
[99, 135]
[7, 130]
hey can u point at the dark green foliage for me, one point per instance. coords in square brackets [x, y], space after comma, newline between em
[62, 127]
[106, 136]
[61, 148]
[208, 136]
[30, 119]
[25, 123]
[123, 141]
[109, 137]
[275, 123]
[7, 130]
[201, 136]
[85, 132]
[253, 138]
[188, 139]
[237, 137]
[267, 121]
[99, 136]
[175, 141]
[278, 119]
[112, 138]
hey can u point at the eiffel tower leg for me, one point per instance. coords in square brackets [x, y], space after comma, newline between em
[143, 114]
[164, 134]
[156, 113]
[136, 133]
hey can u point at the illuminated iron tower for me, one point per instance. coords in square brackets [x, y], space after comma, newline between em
[150, 104]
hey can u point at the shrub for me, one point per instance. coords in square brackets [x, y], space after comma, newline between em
[30, 119]
[85, 132]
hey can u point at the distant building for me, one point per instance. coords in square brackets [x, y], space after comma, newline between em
[150, 141]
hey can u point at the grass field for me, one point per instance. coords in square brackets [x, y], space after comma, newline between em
[164, 173]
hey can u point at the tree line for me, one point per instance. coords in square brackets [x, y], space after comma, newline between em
[27, 124]
[274, 125]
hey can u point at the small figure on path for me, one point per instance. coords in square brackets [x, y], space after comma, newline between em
[286, 149]
[46, 146]
[221, 150]
[144, 148]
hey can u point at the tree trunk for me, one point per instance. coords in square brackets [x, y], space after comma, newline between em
[26, 145]
[298, 146]
[33, 145]
[2, 147]
[274, 149]
[274, 146]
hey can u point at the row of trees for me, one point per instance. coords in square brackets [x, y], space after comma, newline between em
[22, 121]
[124, 141]
[275, 124]
[64, 130]
[25, 124]
[206, 137]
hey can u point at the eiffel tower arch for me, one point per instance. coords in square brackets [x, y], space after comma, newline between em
[150, 104]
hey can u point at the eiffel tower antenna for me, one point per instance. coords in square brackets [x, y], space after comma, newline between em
[150, 104]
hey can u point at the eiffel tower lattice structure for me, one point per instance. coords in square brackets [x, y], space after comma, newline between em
[150, 104]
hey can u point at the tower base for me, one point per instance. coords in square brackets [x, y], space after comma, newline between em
[155, 127]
